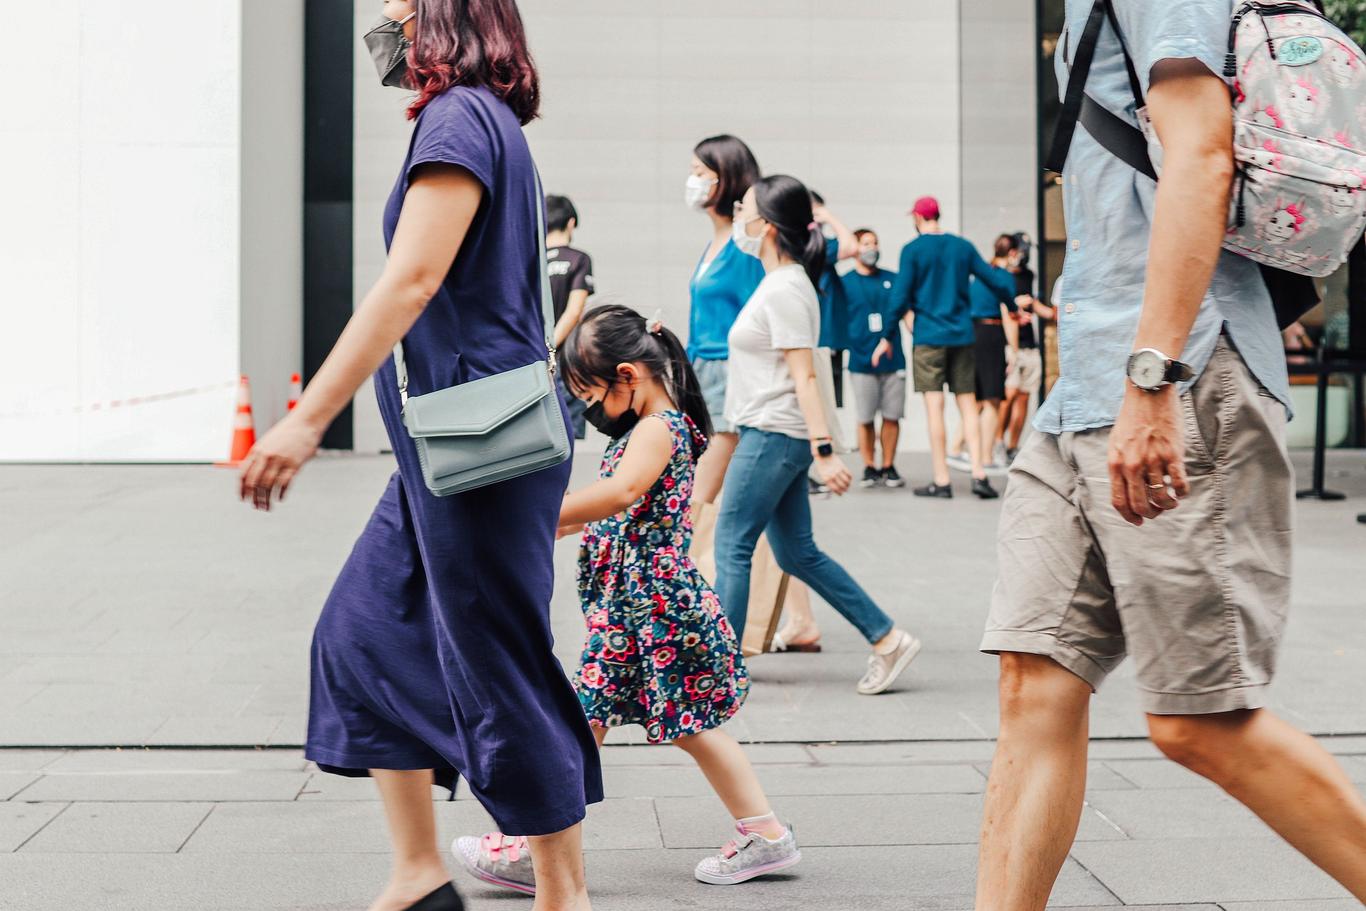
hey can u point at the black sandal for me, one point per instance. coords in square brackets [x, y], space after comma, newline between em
[443, 899]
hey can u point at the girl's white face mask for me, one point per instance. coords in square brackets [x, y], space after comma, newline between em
[748, 243]
[697, 191]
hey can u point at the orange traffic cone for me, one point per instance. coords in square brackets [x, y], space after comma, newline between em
[296, 389]
[243, 430]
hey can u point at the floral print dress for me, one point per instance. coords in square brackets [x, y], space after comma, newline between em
[659, 652]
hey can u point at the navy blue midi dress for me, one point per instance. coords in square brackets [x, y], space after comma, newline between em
[434, 648]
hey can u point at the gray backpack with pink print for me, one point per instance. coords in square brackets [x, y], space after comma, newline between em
[1299, 113]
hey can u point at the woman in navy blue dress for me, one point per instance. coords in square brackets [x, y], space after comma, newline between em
[432, 657]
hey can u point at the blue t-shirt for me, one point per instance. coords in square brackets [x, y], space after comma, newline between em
[718, 295]
[834, 304]
[871, 316]
[485, 318]
[986, 303]
[933, 283]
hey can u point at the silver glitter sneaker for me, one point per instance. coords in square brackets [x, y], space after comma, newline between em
[502, 860]
[748, 856]
[884, 669]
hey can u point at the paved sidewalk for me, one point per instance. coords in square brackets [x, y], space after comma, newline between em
[141, 607]
[882, 826]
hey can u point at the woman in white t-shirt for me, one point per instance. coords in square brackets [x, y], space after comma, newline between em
[772, 398]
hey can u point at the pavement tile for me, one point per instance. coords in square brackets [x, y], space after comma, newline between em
[1325, 904]
[1157, 774]
[199, 730]
[326, 786]
[327, 827]
[1099, 777]
[780, 781]
[1169, 814]
[169, 786]
[12, 783]
[902, 753]
[78, 728]
[162, 760]
[1205, 870]
[27, 760]
[120, 828]
[19, 821]
[826, 821]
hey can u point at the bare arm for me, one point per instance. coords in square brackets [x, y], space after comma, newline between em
[437, 212]
[848, 242]
[647, 455]
[803, 367]
[573, 312]
[1191, 113]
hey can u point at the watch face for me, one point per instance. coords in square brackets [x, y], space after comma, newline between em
[1147, 369]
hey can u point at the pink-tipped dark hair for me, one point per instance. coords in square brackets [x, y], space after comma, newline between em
[474, 43]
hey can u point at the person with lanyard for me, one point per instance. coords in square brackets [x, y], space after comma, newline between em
[775, 400]
[571, 283]
[931, 294]
[1026, 370]
[997, 337]
[722, 169]
[879, 389]
[840, 244]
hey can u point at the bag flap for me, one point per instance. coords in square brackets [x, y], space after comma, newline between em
[477, 407]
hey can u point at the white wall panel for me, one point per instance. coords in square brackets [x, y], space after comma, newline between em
[118, 238]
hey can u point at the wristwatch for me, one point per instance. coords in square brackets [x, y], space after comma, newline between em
[1150, 370]
[824, 448]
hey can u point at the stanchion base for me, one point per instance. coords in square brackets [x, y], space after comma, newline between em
[1313, 494]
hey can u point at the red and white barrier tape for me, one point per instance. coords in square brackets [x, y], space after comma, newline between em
[113, 404]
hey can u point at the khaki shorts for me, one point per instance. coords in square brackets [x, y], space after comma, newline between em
[1198, 596]
[879, 393]
[936, 366]
[1026, 371]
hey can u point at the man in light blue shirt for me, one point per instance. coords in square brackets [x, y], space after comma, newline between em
[1172, 389]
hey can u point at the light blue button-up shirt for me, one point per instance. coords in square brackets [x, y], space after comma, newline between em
[1109, 208]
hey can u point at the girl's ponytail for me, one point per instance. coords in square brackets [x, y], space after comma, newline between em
[684, 387]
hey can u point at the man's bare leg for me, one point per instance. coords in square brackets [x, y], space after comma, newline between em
[934, 412]
[1282, 775]
[967, 412]
[891, 436]
[867, 443]
[986, 421]
[1038, 781]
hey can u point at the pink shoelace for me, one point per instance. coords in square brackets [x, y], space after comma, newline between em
[495, 843]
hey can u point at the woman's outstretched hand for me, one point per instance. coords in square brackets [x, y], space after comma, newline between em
[834, 474]
[270, 467]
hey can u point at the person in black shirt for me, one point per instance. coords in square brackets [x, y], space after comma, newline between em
[571, 282]
[1026, 370]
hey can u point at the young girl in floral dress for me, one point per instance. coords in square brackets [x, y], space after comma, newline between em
[659, 652]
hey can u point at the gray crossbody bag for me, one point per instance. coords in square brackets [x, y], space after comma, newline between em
[495, 428]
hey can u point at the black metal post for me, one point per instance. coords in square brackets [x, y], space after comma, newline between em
[1317, 491]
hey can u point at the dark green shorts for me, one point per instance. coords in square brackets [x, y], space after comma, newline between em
[935, 366]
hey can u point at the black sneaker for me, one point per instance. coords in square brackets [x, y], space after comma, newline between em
[815, 488]
[871, 477]
[891, 477]
[982, 488]
[943, 491]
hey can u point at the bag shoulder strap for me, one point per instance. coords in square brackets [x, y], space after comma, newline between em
[1115, 134]
[547, 303]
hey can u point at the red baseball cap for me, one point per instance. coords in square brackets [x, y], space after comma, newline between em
[926, 207]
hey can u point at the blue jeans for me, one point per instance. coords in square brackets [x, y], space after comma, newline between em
[766, 492]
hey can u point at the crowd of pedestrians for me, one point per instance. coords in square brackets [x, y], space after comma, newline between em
[433, 657]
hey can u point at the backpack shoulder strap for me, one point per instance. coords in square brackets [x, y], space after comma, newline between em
[1119, 137]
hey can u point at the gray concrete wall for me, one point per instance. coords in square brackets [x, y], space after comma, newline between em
[271, 265]
[999, 158]
[859, 99]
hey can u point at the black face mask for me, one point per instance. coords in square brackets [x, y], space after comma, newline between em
[616, 427]
[389, 49]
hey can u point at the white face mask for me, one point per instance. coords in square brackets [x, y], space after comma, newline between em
[750, 244]
[697, 191]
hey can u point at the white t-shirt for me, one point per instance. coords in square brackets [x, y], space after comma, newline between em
[783, 313]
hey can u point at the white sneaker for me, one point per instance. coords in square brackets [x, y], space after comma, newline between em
[748, 856]
[498, 859]
[959, 462]
[884, 669]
